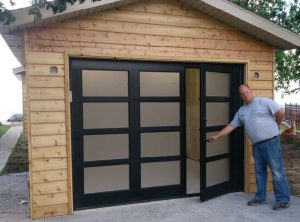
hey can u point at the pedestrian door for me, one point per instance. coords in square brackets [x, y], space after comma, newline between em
[221, 161]
[128, 125]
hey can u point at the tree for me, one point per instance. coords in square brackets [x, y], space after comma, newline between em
[278, 11]
[288, 16]
[56, 6]
[5, 15]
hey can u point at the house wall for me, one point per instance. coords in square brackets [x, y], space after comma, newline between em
[150, 30]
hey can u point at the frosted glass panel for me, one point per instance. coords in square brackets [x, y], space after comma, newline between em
[106, 178]
[160, 174]
[192, 176]
[219, 146]
[160, 144]
[105, 115]
[106, 147]
[104, 83]
[217, 113]
[217, 172]
[159, 84]
[217, 84]
[160, 114]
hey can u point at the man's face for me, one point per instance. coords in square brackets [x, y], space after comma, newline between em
[246, 94]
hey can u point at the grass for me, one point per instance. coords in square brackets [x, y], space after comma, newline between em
[18, 159]
[3, 129]
[292, 142]
[284, 126]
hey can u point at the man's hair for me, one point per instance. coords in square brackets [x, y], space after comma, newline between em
[245, 86]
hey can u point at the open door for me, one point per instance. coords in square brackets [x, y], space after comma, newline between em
[221, 161]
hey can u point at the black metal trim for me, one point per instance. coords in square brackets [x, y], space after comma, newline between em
[217, 99]
[160, 99]
[106, 163]
[183, 176]
[160, 129]
[124, 196]
[160, 159]
[217, 157]
[216, 190]
[202, 131]
[214, 128]
[91, 99]
[103, 131]
[134, 136]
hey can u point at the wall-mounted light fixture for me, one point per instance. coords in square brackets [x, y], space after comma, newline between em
[256, 75]
[53, 70]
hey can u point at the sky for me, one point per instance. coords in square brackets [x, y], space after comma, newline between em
[10, 86]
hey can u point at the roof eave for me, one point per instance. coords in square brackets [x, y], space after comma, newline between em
[24, 20]
[237, 17]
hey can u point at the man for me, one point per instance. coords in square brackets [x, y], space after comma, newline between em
[261, 117]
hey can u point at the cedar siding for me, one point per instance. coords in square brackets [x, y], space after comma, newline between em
[150, 30]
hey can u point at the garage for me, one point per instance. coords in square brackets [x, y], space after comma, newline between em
[119, 97]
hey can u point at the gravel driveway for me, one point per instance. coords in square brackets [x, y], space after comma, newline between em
[14, 197]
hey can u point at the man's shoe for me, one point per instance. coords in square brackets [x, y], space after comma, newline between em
[255, 202]
[280, 206]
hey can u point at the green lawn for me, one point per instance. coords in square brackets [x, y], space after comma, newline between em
[18, 159]
[3, 129]
[283, 127]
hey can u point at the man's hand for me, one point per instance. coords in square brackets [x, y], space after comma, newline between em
[279, 114]
[226, 130]
[212, 138]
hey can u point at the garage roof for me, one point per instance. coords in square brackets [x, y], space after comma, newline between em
[223, 10]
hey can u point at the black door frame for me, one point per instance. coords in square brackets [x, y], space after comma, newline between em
[236, 155]
[134, 193]
[119, 197]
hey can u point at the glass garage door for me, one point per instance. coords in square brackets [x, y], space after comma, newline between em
[127, 123]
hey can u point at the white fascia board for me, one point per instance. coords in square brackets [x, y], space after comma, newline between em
[18, 71]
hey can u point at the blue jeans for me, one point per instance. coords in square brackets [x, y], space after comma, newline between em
[268, 153]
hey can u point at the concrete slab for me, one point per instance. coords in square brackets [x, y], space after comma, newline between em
[7, 143]
[228, 208]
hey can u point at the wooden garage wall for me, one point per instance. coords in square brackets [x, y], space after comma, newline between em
[47, 132]
[152, 30]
